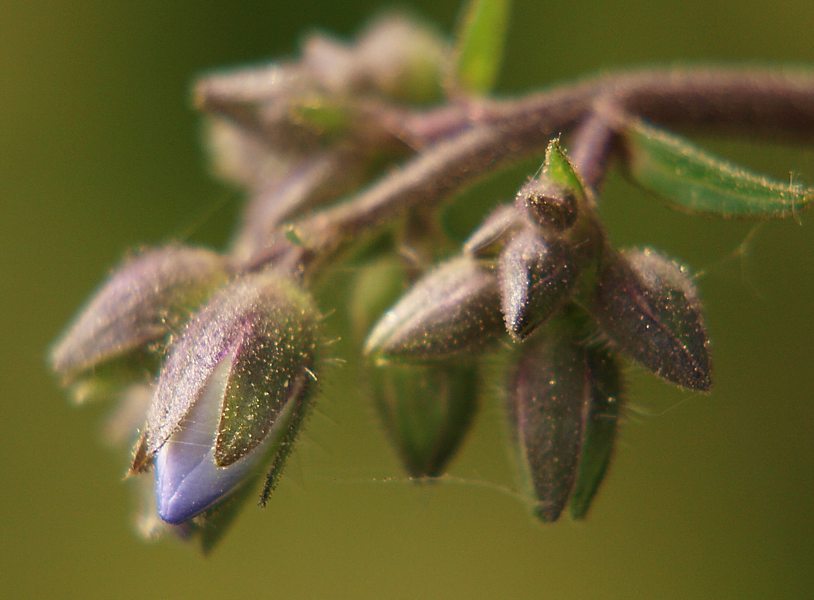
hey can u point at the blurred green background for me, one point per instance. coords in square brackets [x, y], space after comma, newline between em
[709, 496]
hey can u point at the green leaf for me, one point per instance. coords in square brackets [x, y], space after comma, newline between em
[479, 46]
[699, 182]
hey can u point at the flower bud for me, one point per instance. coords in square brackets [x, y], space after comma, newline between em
[548, 398]
[452, 309]
[426, 411]
[401, 59]
[488, 239]
[648, 306]
[147, 298]
[536, 277]
[231, 395]
[549, 204]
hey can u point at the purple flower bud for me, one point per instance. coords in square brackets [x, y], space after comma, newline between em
[536, 277]
[148, 297]
[548, 398]
[548, 203]
[231, 395]
[488, 239]
[452, 309]
[648, 306]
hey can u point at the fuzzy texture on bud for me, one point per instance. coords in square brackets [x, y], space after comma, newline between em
[233, 390]
[564, 400]
[452, 309]
[548, 399]
[648, 306]
[536, 277]
[550, 205]
[148, 297]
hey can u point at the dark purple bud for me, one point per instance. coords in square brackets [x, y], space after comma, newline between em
[488, 239]
[549, 204]
[148, 297]
[231, 395]
[453, 309]
[426, 411]
[648, 306]
[549, 396]
[601, 423]
[536, 277]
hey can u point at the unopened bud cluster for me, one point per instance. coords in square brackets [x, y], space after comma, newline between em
[215, 356]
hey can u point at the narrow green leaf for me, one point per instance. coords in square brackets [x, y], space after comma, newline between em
[479, 46]
[699, 182]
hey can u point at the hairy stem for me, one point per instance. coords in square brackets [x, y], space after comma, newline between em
[466, 141]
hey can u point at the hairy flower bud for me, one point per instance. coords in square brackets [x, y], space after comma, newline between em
[547, 400]
[148, 297]
[426, 411]
[452, 309]
[549, 204]
[648, 306]
[231, 395]
[536, 276]
[559, 392]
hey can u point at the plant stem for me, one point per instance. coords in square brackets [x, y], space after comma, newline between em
[467, 141]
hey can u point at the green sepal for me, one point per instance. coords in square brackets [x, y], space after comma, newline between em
[558, 169]
[601, 423]
[270, 370]
[426, 411]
